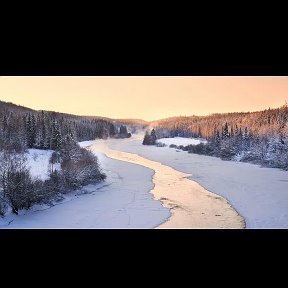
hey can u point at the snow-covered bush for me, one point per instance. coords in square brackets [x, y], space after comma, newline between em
[78, 167]
[227, 154]
[159, 144]
[17, 187]
[198, 149]
[18, 190]
[54, 184]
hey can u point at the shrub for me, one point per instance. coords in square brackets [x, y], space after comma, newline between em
[18, 189]
[82, 171]
[187, 148]
[227, 154]
[251, 157]
[197, 149]
[160, 144]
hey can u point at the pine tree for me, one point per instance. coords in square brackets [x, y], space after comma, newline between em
[29, 132]
[246, 134]
[225, 131]
[217, 139]
[4, 124]
[33, 130]
[246, 139]
[43, 140]
[232, 132]
[123, 130]
[236, 130]
[153, 137]
[56, 136]
[69, 149]
[199, 132]
[112, 130]
[48, 142]
[42, 143]
[147, 139]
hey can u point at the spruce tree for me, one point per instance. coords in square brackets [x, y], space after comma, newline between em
[147, 139]
[43, 142]
[217, 139]
[29, 137]
[199, 132]
[56, 136]
[33, 130]
[246, 139]
[232, 132]
[153, 137]
[225, 133]
[123, 130]
[112, 130]
[4, 124]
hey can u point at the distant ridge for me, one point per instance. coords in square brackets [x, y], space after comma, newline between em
[22, 109]
[131, 121]
[18, 108]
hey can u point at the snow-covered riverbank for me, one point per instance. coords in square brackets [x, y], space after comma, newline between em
[118, 202]
[181, 141]
[260, 195]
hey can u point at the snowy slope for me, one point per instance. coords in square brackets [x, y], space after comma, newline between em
[38, 162]
[180, 141]
[260, 195]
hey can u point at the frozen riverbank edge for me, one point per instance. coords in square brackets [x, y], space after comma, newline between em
[117, 202]
[190, 204]
[260, 195]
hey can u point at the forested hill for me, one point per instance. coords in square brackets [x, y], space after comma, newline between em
[258, 137]
[8, 106]
[13, 107]
[21, 128]
[269, 122]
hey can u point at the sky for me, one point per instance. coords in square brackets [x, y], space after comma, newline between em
[147, 98]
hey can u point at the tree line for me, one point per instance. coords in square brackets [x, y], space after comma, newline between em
[45, 130]
[258, 137]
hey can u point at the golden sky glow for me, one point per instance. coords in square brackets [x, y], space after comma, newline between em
[148, 98]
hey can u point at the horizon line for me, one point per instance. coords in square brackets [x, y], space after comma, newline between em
[149, 121]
